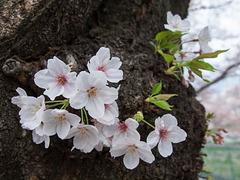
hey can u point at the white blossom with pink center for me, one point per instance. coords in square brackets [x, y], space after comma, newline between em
[56, 79]
[175, 23]
[110, 113]
[93, 93]
[102, 62]
[120, 130]
[86, 137]
[133, 150]
[166, 132]
[59, 121]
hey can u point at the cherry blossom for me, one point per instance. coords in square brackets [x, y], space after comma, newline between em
[85, 137]
[102, 62]
[56, 79]
[120, 130]
[175, 23]
[110, 113]
[166, 133]
[58, 122]
[203, 39]
[93, 93]
[133, 150]
[31, 112]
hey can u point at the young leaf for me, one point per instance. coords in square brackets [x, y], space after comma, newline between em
[163, 105]
[162, 35]
[152, 43]
[168, 58]
[176, 76]
[157, 88]
[162, 97]
[201, 65]
[210, 55]
[198, 73]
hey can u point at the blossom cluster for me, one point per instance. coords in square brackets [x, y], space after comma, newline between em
[185, 54]
[90, 93]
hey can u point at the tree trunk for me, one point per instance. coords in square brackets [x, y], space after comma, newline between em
[34, 31]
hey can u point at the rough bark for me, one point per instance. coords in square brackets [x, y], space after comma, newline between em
[78, 28]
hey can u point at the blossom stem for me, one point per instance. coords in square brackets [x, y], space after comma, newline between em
[85, 115]
[148, 123]
[60, 101]
[55, 105]
[82, 116]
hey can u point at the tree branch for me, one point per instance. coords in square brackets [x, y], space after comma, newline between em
[224, 74]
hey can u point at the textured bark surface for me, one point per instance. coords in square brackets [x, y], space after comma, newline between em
[78, 28]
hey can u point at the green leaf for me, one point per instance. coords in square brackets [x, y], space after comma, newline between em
[198, 73]
[152, 43]
[157, 88]
[210, 55]
[162, 35]
[168, 58]
[176, 76]
[201, 65]
[163, 105]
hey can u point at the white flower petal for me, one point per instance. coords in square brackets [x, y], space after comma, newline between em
[47, 141]
[21, 92]
[93, 64]
[63, 129]
[153, 139]
[57, 66]
[114, 63]
[79, 100]
[103, 54]
[73, 119]
[133, 134]
[108, 95]
[145, 152]
[82, 82]
[118, 151]
[95, 107]
[131, 123]
[169, 120]
[177, 135]
[114, 75]
[98, 79]
[131, 160]
[49, 128]
[165, 148]
[54, 92]
[43, 78]
[80, 141]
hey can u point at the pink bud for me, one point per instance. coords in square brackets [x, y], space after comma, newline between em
[191, 76]
[185, 82]
[205, 138]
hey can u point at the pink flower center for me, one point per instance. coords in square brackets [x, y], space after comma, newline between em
[123, 127]
[107, 106]
[163, 133]
[92, 92]
[102, 68]
[61, 79]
